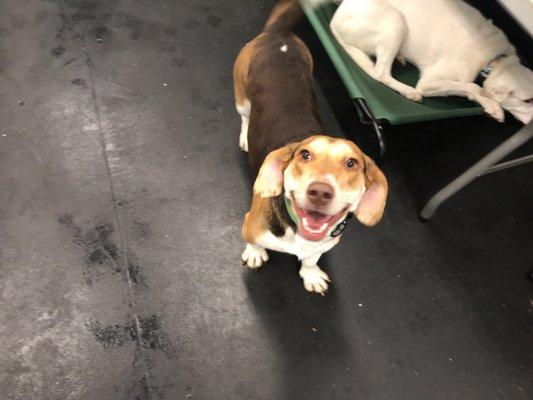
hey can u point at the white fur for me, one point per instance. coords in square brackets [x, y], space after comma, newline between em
[315, 280]
[284, 48]
[448, 40]
[254, 256]
[244, 111]
[307, 251]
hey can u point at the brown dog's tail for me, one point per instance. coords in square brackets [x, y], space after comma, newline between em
[284, 15]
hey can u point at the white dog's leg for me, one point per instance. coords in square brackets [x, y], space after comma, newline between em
[254, 256]
[244, 111]
[431, 86]
[368, 27]
[384, 59]
[315, 280]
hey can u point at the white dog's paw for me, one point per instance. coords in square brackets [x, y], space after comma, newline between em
[492, 108]
[315, 280]
[496, 112]
[412, 94]
[254, 256]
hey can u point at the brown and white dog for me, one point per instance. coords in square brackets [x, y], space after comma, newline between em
[307, 183]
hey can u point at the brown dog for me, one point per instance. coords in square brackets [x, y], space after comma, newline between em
[307, 184]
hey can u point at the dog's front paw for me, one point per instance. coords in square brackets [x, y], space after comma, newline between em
[496, 112]
[254, 256]
[315, 280]
[492, 108]
[413, 95]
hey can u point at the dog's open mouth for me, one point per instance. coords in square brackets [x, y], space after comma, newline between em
[314, 225]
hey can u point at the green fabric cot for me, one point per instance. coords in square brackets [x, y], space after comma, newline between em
[384, 103]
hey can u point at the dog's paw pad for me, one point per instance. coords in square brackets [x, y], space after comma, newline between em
[254, 256]
[315, 280]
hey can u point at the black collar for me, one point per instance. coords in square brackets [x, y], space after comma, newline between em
[486, 70]
[342, 226]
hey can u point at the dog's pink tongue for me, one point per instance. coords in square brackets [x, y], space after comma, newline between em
[316, 220]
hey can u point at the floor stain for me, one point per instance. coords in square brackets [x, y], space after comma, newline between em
[58, 51]
[102, 254]
[147, 331]
[79, 82]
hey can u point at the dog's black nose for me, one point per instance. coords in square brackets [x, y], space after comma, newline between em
[320, 193]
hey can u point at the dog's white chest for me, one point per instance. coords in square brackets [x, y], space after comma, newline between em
[295, 244]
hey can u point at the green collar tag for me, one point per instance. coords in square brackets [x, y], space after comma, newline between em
[291, 212]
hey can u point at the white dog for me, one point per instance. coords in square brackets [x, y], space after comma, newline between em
[449, 41]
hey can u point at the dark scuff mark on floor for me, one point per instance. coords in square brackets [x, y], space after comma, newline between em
[98, 22]
[58, 51]
[79, 82]
[147, 331]
[110, 336]
[101, 251]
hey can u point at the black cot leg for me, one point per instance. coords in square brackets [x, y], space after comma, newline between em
[367, 118]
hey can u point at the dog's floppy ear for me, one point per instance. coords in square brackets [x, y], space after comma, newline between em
[269, 181]
[372, 203]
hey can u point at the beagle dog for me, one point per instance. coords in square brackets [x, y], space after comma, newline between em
[307, 184]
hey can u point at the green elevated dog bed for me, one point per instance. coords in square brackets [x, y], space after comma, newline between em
[376, 104]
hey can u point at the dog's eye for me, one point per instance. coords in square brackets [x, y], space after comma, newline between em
[351, 163]
[305, 155]
[529, 101]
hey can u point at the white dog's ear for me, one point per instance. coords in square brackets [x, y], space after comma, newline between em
[497, 93]
[372, 204]
[269, 181]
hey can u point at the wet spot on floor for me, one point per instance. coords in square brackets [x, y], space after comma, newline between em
[101, 252]
[79, 82]
[146, 331]
[100, 32]
[111, 336]
[122, 203]
[213, 21]
[58, 51]
[151, 333]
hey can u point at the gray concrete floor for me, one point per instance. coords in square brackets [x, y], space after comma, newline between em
[122, 196]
